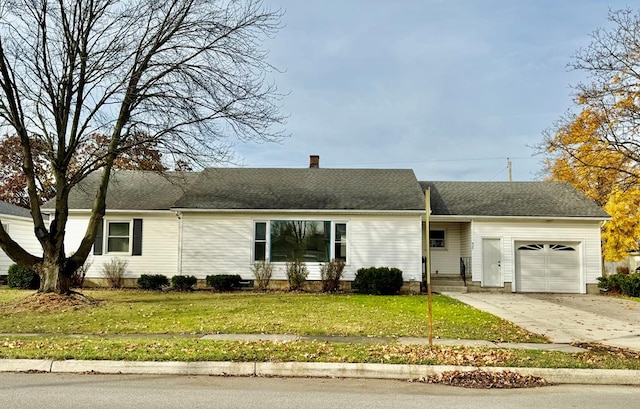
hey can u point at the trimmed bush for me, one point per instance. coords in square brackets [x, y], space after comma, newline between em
[224, 282]
[114, 271]
[22, 278]
[153, 282]
[262, 272]
[630, 285]
[331, 274]
[183, 283]
[378, 281]
[297, 274]
[626, 284]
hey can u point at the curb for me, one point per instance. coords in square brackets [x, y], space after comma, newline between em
[312, 370]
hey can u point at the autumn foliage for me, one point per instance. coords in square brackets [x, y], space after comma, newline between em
[597, 150]
[140, 154]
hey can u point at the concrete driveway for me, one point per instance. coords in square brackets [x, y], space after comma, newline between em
[566, 318]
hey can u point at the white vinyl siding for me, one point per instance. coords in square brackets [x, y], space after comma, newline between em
[584, 233]
[20, 230]
[224, 244]
[446, 261]
[160, 244]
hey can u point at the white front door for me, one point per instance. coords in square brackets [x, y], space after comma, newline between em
[491, 260]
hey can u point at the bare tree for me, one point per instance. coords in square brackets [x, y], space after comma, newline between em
[609, 103]
[186, 73]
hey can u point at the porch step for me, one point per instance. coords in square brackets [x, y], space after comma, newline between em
[449, 289]
[451, 284]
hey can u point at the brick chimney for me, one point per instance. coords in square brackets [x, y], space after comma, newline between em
[314, 161]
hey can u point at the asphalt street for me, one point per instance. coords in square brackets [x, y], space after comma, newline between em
[30, 391]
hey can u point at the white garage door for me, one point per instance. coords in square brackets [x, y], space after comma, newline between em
[547, 267]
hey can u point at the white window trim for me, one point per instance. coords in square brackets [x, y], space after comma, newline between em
[105, 238]
[333, 239]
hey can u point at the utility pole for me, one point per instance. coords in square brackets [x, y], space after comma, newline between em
[509, 169]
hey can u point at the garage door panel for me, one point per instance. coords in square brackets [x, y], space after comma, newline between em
[547, 267]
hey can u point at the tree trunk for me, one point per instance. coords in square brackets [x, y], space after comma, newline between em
[55, 276]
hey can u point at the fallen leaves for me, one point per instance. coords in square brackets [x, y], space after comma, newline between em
[50, 302]
[479, 379]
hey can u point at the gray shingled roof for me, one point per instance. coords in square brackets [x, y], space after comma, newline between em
[13, 210]
[543, 199]
[132, 190]
[305, 189]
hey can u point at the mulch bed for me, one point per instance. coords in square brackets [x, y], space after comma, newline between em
[51, 302]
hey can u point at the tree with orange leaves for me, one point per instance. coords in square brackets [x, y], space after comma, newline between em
[598, 149]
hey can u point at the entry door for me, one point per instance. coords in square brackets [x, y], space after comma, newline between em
[491, 259]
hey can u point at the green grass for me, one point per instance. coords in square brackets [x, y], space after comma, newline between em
[137, 312]
[189, 350]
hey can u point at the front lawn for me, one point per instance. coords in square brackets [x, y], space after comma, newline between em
[138, 312]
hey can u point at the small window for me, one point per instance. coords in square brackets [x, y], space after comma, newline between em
[561, 247]
[531, 247]
[260, 247]
[340, 241]
[118, 237]
[436, 239]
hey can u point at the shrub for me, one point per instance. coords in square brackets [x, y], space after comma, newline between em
[77, 277]
[114, 271]
[630, 285]
[627, 284]
[297, 274]
[331, 274]
[378, 280]
[262, 272]
[224, 282]
[22, 278]
[153, 282]
[183, 283]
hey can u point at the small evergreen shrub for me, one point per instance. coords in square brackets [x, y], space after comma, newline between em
[153, 282]
[626, 284]
[114, 271]
[262, 272]
[297, 274]
[22, 278]
[378, 280]
[183, 283]
[630, 285]
[224, 282]
[331, 274]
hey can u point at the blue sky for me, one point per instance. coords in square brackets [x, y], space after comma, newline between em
[448, 88]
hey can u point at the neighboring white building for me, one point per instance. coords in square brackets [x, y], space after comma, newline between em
[515, 236]
[17, 222]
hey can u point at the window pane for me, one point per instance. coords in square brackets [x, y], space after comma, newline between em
[261, 231]
[118, 244]
[259, 252]
[341, 232]
[300, 240]
[341, 251]
[119, 229]
[436, 238]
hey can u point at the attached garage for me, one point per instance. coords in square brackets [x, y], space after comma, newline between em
[548, 267]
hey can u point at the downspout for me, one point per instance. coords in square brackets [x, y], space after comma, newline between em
[180, 224]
